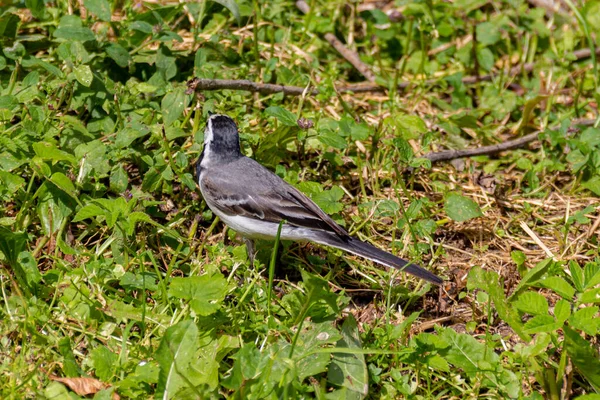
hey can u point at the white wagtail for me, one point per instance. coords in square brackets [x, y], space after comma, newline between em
[252, 200]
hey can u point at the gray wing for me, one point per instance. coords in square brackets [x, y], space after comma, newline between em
[249, 189]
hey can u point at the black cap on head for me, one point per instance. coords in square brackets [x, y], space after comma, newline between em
[222, 136]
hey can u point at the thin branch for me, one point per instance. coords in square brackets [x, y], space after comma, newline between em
[447, 155]
[198, 84]
[352, 57]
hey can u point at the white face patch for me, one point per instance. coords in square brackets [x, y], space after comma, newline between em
[208, 138]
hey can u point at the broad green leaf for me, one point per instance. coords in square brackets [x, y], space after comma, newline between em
[64, 183]
[487, 33]
[460, 208]
[329, 200]
[119, 180]
[409, 126]
[126, 136]
[232, 6]
[172, 105]
[90, 210]
[9, 24]
[8, 102]
[12, 244]
[531, 277]
[78, 33]
[583, 356]
[593, 185]
[346, 369]
[465, 352]
[590, 296]
[177, 349]
[586, 319]
[68, 364]
[48, 151]
[10, 182]
[532, 303]
[99, 8]
[542, 323]
[560, 286]
[53, 207]
[562, 310]
[284, 116]
[591, 274]
[332, 138]
[205, 293]
[104, 362]
[84, 75]
[36, 7]
[118, 54]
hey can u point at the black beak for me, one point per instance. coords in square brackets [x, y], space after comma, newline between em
[210, 113]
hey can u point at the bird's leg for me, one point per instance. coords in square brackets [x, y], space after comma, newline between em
[251, 250]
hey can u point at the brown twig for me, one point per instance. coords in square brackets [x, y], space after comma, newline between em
[352, 57]
[447, 155]
[198, 84]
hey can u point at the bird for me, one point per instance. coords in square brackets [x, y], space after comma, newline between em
[252, 200]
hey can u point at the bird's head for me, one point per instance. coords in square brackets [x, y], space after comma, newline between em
[221, 136]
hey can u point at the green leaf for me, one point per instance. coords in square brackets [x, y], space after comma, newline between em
[172, 105]
[532, 303]
[490, 283]
[104, 362]
[30, 269]
[487, 33]
[176, 351]
[284, 116]
[9, 25]
[591, 274]
[205, 293]
[485, 58]
[562, 310]
[10, 182]
[99, 8]
[118, 54]
[465, 352]
[347, 369]
[560, 286]
[585, 320]
[329, 200]
[576, 275]
[69, 364]
[119, 180]
[89, 211]
[461, 208]
[542, 323]
[8, 102]
[583, 357]
[84, 75]
[78, 33]
[36, 7]
[48, 151]
[593, 185]
[590, 296]
[232, 6]
[409, 126]
[64, 183]
[332, 138]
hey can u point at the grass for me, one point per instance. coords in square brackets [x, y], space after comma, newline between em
[116, 278]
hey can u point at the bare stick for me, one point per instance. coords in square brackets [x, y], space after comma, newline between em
[198, 84]
[348, 54]
[493, 149]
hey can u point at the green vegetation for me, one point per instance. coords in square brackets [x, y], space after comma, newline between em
[116, 279]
